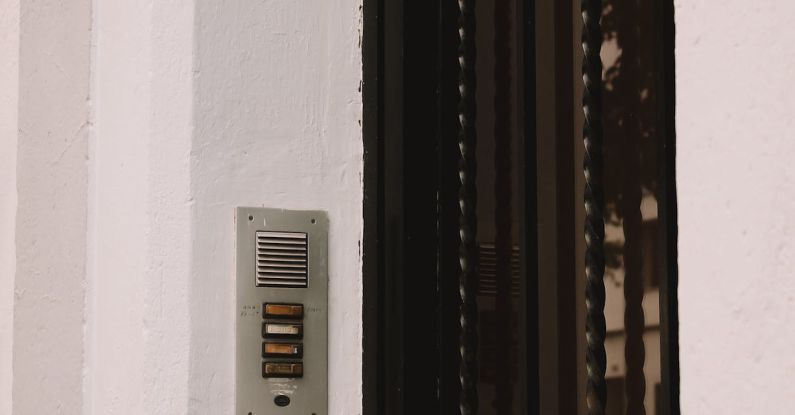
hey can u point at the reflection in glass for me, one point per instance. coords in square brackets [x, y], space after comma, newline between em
[633, 128]
[497, 207]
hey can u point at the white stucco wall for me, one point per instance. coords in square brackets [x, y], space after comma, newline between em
[137, 343]
[735, 66]
[198, 108]
[276, 115]
[9, 78]
[139, 126]
[50, 218]
[125, 149]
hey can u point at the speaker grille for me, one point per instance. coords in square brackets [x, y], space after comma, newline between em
[282, 259]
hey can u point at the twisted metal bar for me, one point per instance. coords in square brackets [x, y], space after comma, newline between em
[596, 360]
[634, 320]
[629, 139]
[467, 196]
[505, 364]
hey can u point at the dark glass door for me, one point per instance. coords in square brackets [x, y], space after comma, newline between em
[474, 250]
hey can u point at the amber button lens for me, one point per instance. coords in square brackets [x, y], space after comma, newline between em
[295, 311]
[281, 350]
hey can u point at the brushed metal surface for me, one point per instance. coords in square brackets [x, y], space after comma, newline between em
[254, 394]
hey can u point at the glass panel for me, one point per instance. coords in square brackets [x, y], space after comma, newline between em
[634, 118]
[498, 206]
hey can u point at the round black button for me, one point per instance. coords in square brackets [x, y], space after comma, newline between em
[281, 400]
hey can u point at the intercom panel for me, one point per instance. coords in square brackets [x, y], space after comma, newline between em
[282, 301]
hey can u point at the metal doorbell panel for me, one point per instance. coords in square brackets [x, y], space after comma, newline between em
[282, 319]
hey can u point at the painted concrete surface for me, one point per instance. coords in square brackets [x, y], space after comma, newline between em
[9, 116]
[51, 179]
[276, 124]
[135, 141]
[736, 206]
[139, 231]
[196, 109]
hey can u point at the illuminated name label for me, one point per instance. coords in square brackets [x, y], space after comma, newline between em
[283, 329]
